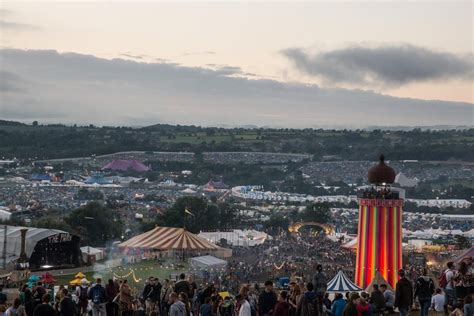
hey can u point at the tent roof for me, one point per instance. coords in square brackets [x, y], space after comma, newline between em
[379, 280]
[341, 283]
[124, 165]
[33, 236]
[209, 261]
[169, 238]
[91, 250]
[466, 254]
[218, 185]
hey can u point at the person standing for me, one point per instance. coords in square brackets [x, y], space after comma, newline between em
[152, 295]
[177, 308]
[338, 305]
[403, 294]
[389, 296]
[462, 282]
[126, 301]
[282, 308]
[447, 284]
[377, 299]
[44, 309]
[98, 296]
[309, 303]
[66, 305]
[82, 297]
[320, 283]
[244, 309]
[167, 290]
[424, 290]
[267, 300]
[182, 286]
[111, 290]
[351, 307]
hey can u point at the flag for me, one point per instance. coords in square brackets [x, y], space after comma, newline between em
[188, 212]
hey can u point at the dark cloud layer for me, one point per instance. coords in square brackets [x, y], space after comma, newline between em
[76, 88]
[386, 65]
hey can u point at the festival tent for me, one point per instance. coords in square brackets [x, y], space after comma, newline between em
[47, 278]
[467, 254]
[124, 165]
[352, 244]
[78, 279]
[341, 283]
[237, 237]
[207, 262]
[379, 280]
[168, 238]
[89, 252]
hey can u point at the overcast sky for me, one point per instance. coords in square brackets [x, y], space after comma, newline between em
[279, 64]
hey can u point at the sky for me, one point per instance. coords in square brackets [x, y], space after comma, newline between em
[293, 64]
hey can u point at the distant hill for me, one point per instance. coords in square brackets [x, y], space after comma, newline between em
[11, 123]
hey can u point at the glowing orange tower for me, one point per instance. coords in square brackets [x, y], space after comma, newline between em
[379, 246]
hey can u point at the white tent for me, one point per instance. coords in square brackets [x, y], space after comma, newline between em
[237, 237]
[341, 283]
[207, 263]
[405, 182]
[91, 251]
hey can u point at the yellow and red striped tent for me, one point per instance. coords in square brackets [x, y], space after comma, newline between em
[168, 238]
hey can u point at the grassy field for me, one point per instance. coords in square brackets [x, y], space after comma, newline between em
[135, 274]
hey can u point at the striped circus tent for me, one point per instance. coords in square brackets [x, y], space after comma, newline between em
[341, 283]
[168, 238]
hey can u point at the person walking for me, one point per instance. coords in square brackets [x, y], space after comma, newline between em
[424, 290]
[403, 294]
[309, 303]
[111, 290]
[98, 296]
[177, 308]
[267, 300]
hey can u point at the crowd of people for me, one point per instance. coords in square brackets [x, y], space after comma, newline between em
[302, 297]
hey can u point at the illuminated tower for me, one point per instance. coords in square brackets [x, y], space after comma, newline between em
[379, 245]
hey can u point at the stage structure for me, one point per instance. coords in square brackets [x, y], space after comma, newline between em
[379, 247]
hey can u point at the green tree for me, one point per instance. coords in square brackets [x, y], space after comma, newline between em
[462, 242]
[318, 212]
[95, 224]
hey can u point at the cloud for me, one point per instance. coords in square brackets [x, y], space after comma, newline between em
[208, 52]
[77, 88]
[12, 25]
[133, 56]
[9, 82]
[385, 65]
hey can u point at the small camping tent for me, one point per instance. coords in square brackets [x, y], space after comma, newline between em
[341, 283]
